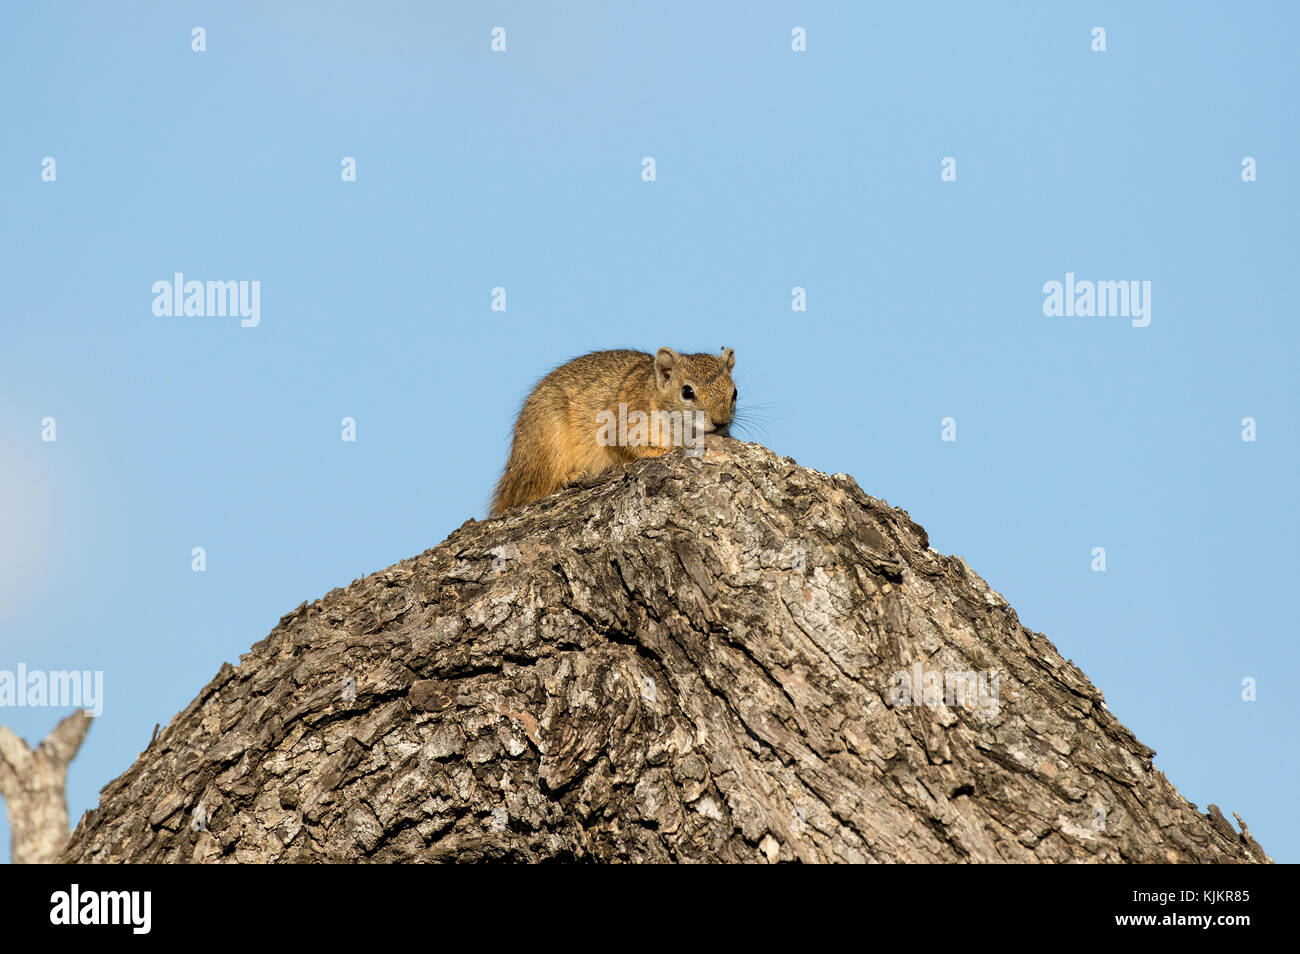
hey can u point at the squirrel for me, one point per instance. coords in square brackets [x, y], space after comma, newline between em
[610, 407]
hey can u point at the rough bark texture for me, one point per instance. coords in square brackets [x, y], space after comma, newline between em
[690, 659]
[34, 785]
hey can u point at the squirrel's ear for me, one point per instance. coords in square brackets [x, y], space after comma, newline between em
[729, 357]
[665, 361]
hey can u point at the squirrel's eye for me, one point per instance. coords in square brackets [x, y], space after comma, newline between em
[688, 393]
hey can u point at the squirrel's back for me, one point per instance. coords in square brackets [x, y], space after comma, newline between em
[559, 435]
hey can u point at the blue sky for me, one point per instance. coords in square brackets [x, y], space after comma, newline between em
[774, 169]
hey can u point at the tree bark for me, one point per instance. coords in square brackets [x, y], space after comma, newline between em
[34, 786]
[689, 659]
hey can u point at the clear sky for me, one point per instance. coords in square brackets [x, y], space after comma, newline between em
[775, 169]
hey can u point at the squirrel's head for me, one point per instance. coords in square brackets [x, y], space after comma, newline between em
[698, 382]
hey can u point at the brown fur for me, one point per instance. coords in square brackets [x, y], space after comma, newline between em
[555, 438]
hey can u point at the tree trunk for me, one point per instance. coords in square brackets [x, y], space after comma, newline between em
[34, 785]
[724, 657]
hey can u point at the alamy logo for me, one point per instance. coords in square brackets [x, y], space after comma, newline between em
[1098, 300]
[181, 299]
[949, 687]
[653, 429]
[58, 689]
[103, 907]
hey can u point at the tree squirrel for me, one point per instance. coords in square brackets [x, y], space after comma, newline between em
[610, 407]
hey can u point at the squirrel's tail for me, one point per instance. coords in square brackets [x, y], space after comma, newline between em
[522, 482]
